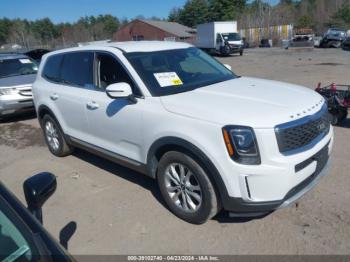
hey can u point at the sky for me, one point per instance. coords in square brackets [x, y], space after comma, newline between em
[71, 10]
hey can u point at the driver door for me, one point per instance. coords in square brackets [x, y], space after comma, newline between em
[115, 124]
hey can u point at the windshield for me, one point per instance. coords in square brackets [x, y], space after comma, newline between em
[232, 37]
[176, 71]
[336, 32]
[16, 67]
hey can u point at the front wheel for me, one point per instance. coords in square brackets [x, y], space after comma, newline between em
[186, 188]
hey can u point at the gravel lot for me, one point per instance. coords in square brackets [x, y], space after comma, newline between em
[117, 211]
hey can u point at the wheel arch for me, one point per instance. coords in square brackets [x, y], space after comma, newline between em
[42, 111]
[45, 110]
[166, 144]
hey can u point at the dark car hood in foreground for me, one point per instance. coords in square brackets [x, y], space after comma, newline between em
[17, 80]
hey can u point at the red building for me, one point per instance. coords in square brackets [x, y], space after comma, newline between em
[138, 30]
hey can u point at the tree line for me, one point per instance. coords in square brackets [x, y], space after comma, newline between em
[43, 32]
[315, 14]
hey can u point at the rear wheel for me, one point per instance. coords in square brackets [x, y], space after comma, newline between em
[54, 137]
[186, 188]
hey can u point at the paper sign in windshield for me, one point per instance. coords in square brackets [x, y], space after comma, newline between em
[25, 61]
[168, 79]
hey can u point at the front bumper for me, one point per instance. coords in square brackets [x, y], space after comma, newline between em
[15, 103]
[236, 49]
[243, 208]
[278, 182]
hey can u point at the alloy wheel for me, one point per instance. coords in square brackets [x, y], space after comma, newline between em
[51, 133]
[183, 187]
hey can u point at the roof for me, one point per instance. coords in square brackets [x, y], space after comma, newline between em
[131, 46]
[8, 56]
[171, 27]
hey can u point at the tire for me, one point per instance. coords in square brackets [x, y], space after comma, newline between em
[225, 51]
[241, 53]
[334, 118]
[196, 188]
[338, 115]
[54, 137]
[343, 114]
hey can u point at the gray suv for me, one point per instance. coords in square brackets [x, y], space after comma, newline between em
[17, 73]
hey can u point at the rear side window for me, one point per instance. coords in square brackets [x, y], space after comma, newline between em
[77, 69]
[52, 68]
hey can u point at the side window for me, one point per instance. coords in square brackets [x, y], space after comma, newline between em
[52, 67]
[77, 69]
[110, 71]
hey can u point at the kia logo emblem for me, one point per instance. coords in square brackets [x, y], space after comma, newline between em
[321, 126]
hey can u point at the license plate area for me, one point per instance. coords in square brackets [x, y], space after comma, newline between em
[321, 157]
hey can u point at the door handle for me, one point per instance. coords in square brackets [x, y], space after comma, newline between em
[54, 97]
[92, 105]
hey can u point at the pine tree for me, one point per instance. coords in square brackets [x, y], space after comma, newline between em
[222, 10]
[194, 12]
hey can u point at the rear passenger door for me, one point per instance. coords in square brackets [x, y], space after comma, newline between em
[71, 96]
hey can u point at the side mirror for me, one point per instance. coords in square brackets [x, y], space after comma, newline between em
[119, 90]
[37, 190]
[228, 67]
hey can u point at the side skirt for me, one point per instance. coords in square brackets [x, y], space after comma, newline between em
[116, 158]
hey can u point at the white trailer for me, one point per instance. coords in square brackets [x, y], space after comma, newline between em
[219, 37]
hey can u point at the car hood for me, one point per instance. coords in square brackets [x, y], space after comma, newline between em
[246, 101]
[22, 80]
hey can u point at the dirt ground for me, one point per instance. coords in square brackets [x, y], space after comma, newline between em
[113, 210]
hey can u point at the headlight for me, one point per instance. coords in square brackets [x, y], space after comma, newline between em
[7, 91]
[241, 144]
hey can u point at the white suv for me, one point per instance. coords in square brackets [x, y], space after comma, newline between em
[212, 139]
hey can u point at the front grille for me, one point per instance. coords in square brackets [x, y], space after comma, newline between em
[235, 46]
[26, 92]
[25, 101]
[303, 132]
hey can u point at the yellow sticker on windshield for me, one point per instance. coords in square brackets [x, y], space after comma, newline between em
[177, 82]
[168, 79]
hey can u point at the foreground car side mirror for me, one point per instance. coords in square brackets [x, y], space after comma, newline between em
[37, 190]
[119, 90]
[228, 67]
